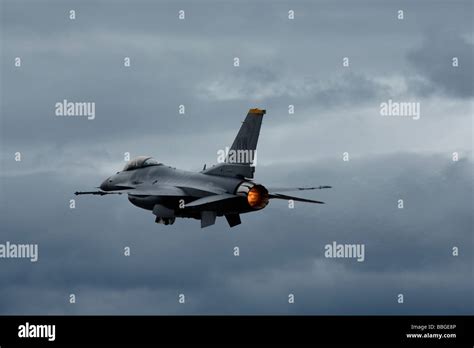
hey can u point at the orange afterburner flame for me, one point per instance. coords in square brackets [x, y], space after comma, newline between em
[258, 197]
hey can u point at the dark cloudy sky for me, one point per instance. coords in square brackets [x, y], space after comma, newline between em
[282, 62]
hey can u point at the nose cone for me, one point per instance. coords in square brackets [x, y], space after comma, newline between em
[106, 185]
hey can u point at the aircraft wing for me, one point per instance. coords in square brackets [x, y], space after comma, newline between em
[140, 191]
[160, 190]
[157, 191]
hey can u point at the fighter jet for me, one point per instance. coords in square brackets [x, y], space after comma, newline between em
[225, 189]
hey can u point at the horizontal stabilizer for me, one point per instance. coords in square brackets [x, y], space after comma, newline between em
[280, 196]
[288, 189]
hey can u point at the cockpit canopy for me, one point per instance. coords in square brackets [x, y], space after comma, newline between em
[140, 162]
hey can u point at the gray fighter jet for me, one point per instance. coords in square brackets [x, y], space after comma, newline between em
[225, 189]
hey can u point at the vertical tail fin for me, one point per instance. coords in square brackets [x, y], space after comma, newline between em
[245, 143]
[240, 157]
